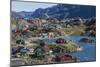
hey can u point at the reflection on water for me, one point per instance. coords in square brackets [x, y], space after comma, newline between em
[89, 49]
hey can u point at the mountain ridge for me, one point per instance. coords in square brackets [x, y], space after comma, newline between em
[61, 11]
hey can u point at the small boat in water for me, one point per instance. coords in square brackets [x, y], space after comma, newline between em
[79, 48]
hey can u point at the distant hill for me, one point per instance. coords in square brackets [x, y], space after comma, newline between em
[60, 12]
[21, 14]
[65, 11]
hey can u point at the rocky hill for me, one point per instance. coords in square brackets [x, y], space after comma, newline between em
[65, 11]
[60, 12]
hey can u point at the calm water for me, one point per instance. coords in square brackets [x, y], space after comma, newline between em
[89, 49]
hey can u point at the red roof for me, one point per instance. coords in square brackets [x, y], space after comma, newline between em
[67, 57]
[60, 40]
[46, 46]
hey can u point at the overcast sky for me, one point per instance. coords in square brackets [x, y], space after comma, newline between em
[28, 6]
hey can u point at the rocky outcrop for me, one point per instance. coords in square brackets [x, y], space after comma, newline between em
[91, 27]
[87, 40]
